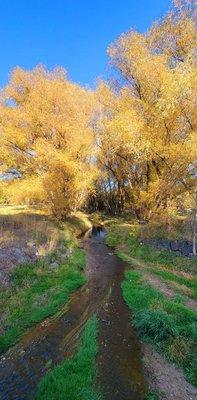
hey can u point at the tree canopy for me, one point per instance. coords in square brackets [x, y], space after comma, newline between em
[130, 144]
[148, 124]
[47, 135]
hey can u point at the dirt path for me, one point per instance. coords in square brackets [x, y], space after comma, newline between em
[167, 288]
[166, 377]
[163, 376]
[119, 359]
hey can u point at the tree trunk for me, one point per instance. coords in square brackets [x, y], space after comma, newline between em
[194, 228]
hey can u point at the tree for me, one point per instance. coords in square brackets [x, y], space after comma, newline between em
[46, 133]
[194, 225]
[147, 130]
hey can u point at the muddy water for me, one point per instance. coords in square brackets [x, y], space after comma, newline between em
[120, 372]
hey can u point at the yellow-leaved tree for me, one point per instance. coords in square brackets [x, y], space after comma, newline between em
[147, 129]
[46, 134]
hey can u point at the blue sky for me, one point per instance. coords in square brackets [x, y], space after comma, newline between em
[72, 33]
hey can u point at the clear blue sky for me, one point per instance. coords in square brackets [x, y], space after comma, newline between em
[71, 33]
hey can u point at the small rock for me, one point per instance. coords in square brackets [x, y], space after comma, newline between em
[54, 265]
[5, 279]
[19, 255]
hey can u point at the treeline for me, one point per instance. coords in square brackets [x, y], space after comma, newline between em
[129, 145]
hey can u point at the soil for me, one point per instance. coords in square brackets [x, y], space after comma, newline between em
[165, 287]
[165, 377]
[167, 290]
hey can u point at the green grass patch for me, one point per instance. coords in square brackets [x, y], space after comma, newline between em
[170, 276]
[37, 293]
[123, 234]
[153, 395]
[168, 324]
[73, 379]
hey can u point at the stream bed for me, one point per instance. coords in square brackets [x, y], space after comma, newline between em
[119, 360]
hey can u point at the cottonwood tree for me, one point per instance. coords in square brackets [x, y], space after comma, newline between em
[147, 131]
[46, 134]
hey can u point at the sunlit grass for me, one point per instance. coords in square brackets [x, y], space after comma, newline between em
[168, 324]
[36, 291]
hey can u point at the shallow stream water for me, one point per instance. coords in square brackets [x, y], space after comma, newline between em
[119, 361]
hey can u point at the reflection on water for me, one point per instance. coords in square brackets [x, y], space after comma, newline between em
[97, 231]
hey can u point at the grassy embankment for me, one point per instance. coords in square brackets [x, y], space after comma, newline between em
[166, 323]
[73, 379]
[37, 291]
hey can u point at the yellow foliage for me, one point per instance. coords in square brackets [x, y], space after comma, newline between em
[147, 129]
[141, 135]
[27, 191]
[47, 134]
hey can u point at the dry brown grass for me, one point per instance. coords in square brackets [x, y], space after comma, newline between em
[183, 289]
[179, 349]
[34, 232]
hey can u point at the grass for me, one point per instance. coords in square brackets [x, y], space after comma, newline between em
[30, 230]
[153, 395]
[73, 379]
[168, 324]
[121, 233]
[37, 293]
[169, 276]
[27, 227]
